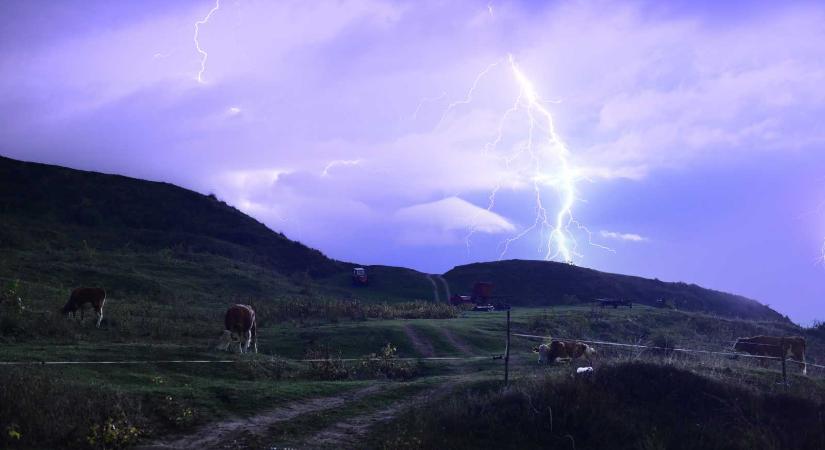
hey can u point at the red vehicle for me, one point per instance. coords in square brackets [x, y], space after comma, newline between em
[482, 291]
[480, 298]
[359, 277]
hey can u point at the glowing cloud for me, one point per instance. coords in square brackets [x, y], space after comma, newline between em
[632, 237]
[339, 162]
[453, 214]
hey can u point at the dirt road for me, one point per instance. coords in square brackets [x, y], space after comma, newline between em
[221, 434]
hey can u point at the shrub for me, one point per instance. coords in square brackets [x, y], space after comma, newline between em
[385, 364]
[664, 344]
[325, 365]
[303, 309]
[76, 416]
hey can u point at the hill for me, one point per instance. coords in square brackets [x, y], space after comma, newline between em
[544, 283]
[64, 227]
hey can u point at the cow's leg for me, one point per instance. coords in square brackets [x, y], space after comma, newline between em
[255, 337]
[247, 340]
[99, 314]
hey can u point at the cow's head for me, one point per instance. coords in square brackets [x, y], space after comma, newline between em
[224, 341]
[68, 308]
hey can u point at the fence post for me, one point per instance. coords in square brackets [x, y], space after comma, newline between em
[507, 352]
[784, 373]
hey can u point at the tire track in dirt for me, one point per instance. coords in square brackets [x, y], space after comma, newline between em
[436, 297]
[349, 433]
[446, 286]
[456, 342]
[216, 434]
[421, 345]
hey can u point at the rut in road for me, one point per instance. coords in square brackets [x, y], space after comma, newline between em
[421, 345]
[436, 297]
[350, 432]
[215, 434]
[456, 342]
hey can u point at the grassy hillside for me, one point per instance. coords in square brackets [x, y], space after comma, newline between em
[64, 228]
[535, 283]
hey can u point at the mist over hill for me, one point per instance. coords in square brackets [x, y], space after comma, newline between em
[64, 227]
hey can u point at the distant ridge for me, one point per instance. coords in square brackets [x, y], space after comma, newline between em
[541, 283]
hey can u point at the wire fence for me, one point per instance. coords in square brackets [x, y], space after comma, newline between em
[233, 361]
[675, 349]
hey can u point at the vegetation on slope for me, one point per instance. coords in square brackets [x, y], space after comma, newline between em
[65, 228]
[544, 283]
[625, 406]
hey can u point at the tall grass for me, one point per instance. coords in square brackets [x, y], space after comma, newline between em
[630, 405]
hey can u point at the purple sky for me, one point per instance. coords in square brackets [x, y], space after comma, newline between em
[694, 135]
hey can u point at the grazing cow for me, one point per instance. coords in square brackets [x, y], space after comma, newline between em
[792, 347]
[82, 295]
[568, 350]
[240, 320]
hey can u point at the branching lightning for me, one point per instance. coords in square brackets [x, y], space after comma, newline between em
[548, 165]
[469, 97]
[426, 100]
[204, 55]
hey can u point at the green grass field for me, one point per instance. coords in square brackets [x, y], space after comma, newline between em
[174, 397]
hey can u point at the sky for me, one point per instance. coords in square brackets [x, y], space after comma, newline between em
[676, 140]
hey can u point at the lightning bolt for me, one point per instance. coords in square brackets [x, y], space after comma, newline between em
[204, 55]
[548, 165]
[822, 251]
[426, 100]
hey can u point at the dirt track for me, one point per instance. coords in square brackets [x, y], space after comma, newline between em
[221, 434]
[348, 433]
[421, 345]
[456, 342]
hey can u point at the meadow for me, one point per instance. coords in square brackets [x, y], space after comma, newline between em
[353, 347]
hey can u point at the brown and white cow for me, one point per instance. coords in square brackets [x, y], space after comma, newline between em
[239, 320]
[83, 295]
[568, 350]
[792, 347]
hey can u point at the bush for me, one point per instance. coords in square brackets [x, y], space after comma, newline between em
[302, 309]
[76, 416]
[664, 344]
[385, 364]
[325, 365]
